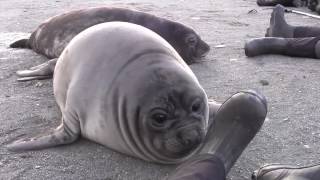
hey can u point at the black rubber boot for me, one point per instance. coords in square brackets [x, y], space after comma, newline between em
[268, 45]
[285, 172]
[312, 4]
[300, 3]
[295, 47]
[306, 31]
[318, 8]
[236, 123]
[278, 26]
[275, 2]
[200, 167]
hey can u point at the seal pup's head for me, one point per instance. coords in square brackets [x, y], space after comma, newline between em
[197, 47]
[171, 108]
[176, 117]
[189, 45]
[176, 120]
[185, 41]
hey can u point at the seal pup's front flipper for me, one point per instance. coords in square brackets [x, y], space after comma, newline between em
[33, 78]
[60, 136]
[22, 43]
[42, 71]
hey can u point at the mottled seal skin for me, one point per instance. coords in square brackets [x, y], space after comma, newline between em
[123, 86]
[52, 36]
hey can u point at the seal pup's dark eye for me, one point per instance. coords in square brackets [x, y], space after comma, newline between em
[191, 40]
[159, 119]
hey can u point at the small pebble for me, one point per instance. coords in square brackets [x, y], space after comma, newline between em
[264, 82]
[220, 46]
[306, 146]
[252, 11]
[195, 18]
[286, 119]
[25, 156]
[39, 84]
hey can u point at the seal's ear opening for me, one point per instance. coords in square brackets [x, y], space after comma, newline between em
[197, 107]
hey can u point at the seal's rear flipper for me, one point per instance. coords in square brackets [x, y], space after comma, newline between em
[22, 43]
[60, 136]
[42, 71]
[33, 78]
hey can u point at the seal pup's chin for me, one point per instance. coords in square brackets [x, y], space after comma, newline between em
[179, 144]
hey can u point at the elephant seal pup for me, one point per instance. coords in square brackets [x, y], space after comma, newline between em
[123, 86]
[51, 37]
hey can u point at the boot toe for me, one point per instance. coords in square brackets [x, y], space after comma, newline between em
[251, 101]
[271, 171]
[253, 47]
[249, 49]
[260, 97]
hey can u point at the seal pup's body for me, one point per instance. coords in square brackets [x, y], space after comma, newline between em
[123, 86]
[52, 36]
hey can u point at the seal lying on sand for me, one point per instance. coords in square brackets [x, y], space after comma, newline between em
[123, 86]
[51, 37]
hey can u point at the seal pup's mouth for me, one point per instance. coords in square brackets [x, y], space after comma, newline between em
[181, 143]
[203, 54]
[197, 57]
[201, 51]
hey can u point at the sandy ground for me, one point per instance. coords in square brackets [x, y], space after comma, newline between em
[290, 134]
